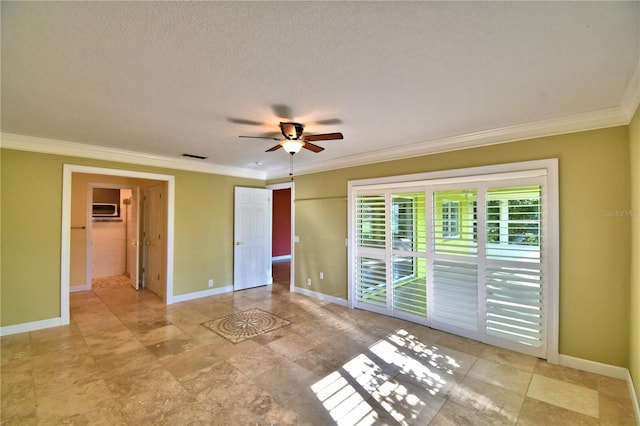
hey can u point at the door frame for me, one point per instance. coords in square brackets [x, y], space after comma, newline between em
[292, 186]
[65, 249]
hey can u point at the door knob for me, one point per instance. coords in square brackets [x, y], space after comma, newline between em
[238, 243]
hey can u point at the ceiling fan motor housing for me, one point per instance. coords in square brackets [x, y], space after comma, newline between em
[291, 131]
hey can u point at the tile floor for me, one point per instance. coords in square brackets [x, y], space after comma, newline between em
[127, 359]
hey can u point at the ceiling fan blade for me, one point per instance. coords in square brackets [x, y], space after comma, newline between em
[282, 111]
[273, 148]
[312, 147]
[327, 122]
[260, 137]
[244, 121]
[323, 137]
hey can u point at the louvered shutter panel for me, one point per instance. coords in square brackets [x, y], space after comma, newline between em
[370, 267]
[514, 297]
[455, 262]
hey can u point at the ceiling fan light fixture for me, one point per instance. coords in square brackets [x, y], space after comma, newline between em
[292, 146]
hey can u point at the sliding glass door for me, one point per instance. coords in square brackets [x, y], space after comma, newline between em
[463, 258]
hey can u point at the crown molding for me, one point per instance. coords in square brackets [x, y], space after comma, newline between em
[631, 98]
[610, 117]
[57, 147]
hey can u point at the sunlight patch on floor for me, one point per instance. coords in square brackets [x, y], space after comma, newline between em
[345, 405]
[393, 377]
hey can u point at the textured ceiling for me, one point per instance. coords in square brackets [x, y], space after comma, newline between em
[165, 78]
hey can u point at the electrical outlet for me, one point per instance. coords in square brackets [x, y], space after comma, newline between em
[309, 281]
[211, 282]
[322, 275]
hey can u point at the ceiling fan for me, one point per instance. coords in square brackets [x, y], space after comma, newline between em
[294, 139]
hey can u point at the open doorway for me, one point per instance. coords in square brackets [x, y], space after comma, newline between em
[76, 223]
[283, 236]
[113, 236]
[121, 223]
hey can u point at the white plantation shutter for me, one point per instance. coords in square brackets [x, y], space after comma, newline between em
[475, 255]
[514, 308]
[455, 293]
[408, 280]
[371, 241]
[514, 278]
[454, 262]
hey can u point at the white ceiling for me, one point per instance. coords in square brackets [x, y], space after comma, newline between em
[396, 78]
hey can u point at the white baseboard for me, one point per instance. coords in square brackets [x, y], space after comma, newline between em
[320, 296]
[620, 373]
[199, 294]
[283, 257]
[634, 397]
[30, 326]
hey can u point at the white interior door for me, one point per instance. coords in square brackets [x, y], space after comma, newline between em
[252, 238]
[133, 243]
[154, 239]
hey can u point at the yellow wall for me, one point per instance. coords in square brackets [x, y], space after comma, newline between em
[634, 353]
[31, 203]
[594, 253]
[594, 240]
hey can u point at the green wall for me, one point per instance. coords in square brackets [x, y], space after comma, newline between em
[594, 184]
[634, 353]
[31, 215]
[595, 265]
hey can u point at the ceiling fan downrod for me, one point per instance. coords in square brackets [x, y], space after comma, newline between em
[291, 166]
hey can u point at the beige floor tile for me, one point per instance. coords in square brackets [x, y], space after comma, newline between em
[74, 400]
[127, 358]
[190, 414]
[18, 398]
[115, 364]
[291, 345]
[616, 410]
[421, 333]
[256, 362]
[510, 378]
[285, 379]
[229, 394]
[278, 333]
[226, 349]
[494, 401]
[452, 414]
[101, 416]
[614, 387]
[16, 344]
[565, 395]
[567, 374]
[167, 349]
[57, 379]
[320, 360]
[146, 395]
[407, 404]
[191, 361]
[539, 413]
[205, 384]
[510, 358]
[462, 344]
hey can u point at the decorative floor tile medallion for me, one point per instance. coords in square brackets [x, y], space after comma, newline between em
[245, 325]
